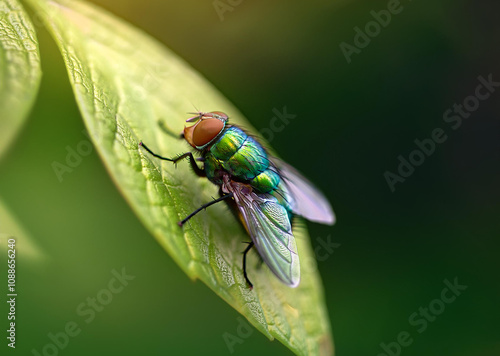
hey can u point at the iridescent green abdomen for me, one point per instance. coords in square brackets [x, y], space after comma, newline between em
[241, 156]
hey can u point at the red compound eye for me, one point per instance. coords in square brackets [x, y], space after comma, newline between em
[203, 132]
[206, 131]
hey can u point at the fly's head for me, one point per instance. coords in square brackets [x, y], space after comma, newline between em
[207, 126]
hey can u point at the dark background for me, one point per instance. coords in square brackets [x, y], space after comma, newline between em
[353, 121]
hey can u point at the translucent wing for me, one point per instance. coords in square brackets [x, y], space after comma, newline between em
[309, 201]
[269, 227]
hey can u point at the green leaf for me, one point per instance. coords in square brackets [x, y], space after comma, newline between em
[20, 71]
[124, 83]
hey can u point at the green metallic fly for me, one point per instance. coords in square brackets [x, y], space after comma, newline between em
[266, 191]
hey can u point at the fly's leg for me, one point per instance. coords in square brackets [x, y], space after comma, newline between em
[168, 131]
[199, 172]
[249, 247]
[203, 207]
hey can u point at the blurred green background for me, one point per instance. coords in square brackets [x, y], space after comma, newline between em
[353, 121]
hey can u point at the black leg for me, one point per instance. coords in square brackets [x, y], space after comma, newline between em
[199, 172]
[204, 206]
[250, 245]
[168, 131]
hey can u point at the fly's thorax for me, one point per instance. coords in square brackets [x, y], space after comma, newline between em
[249, 161]
[228, 143]
[220, 151]
[243, 158]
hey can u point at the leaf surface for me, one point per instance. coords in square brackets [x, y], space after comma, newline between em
[20, 71]
[125, 83]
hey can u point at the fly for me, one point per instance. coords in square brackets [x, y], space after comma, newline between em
[266, 191]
